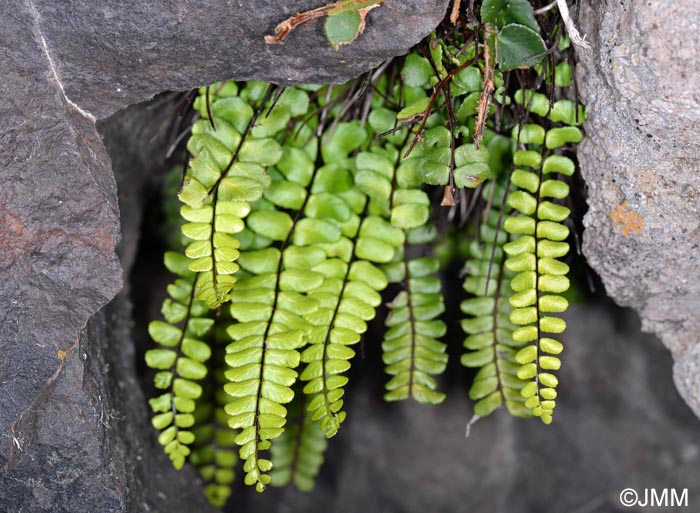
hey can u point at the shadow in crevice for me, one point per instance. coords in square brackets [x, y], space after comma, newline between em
[619, 423]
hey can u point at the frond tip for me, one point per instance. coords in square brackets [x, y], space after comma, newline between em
[297, 455]
[179, 361]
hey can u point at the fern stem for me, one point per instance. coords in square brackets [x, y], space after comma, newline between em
[209, 113]
[411, 320]
[543, 153]
[498, 228]
[244, 135]
[214, 274]
[496, 298]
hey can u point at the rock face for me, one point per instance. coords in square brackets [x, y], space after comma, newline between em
[58, 231]
[113, 53]
[72, 417]
[73, 413]
[640, 162]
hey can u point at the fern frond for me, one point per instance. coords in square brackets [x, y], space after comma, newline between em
[411, 349]
[215, 451]
[490, 343]
[349, 295]
[261, 360]
[541, 278]
[297, 455]
[269, 306]
[231, 153]
[180, 360]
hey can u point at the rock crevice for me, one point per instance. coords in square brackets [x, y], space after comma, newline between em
[72, 415]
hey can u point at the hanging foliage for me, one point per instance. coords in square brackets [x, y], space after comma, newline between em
[303, 209]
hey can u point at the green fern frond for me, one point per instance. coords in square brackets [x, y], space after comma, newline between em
[231, 153]
[297, 455]
[349, 298]
[349, 295]
[269, 305]
[215, 451]
[490, 343]
[411, 349]
[179, 362]
[535, 254]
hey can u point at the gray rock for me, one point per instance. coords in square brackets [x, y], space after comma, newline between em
[640, 162]
[82, 441]
[114, 53]
[58, 230]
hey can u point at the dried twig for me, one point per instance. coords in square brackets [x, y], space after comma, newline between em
[455, 11]
[285, 27]
[571, 29]
[486, 92]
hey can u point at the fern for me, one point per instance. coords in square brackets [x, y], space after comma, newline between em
[349, 294]
[297, 455]
[302, 204]
[215, 452]
[180, 361]
[535, 254]
[490, 343]
[268, 305]
[411, 349]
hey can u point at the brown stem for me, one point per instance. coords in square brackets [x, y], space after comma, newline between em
[285, 27]
[486, 92]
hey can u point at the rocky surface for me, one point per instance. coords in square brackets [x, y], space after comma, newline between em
[58, 231]
[113, 53]
[640, 162]
[78, 440]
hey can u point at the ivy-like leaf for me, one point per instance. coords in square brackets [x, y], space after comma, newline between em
[502, 12]
[519, 47]
[416, 71]
[472, 165]
[344, 27]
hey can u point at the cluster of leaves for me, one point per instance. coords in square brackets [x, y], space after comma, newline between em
[300, 206]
